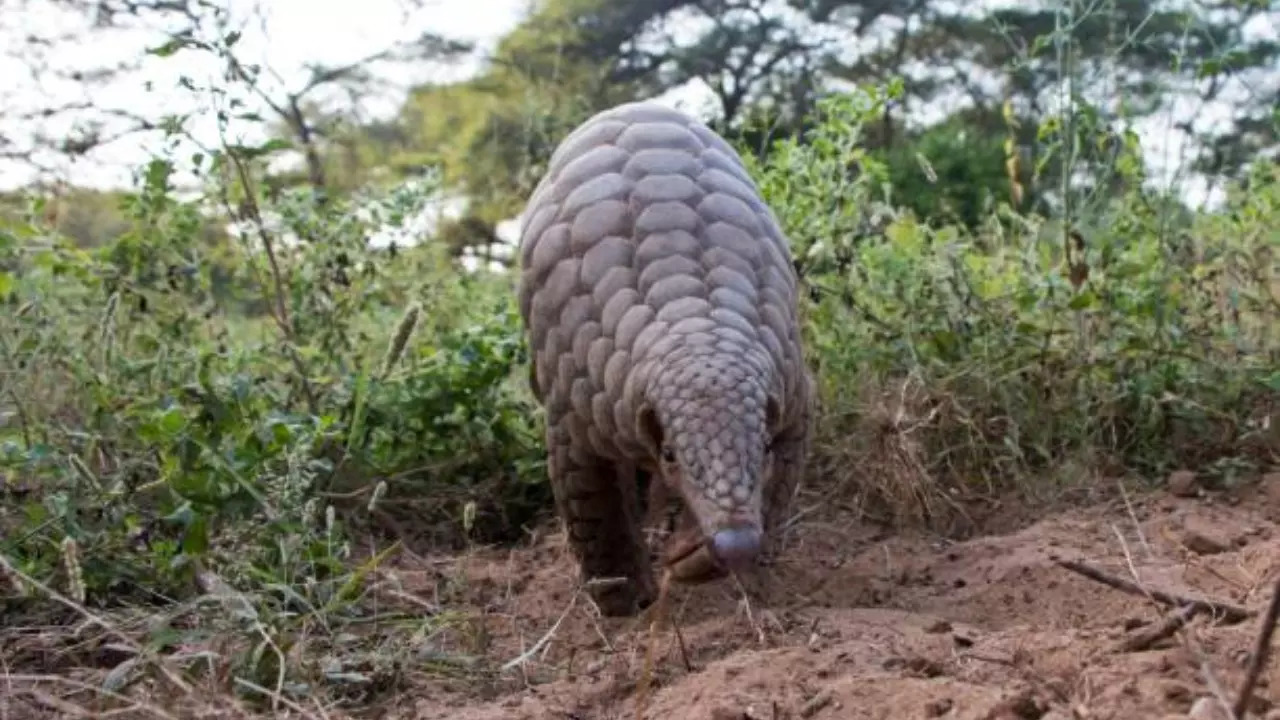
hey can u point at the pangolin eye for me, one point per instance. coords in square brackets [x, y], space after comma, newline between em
[668, 454]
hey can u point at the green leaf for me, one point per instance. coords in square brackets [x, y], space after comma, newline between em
[266, 148]
[171, 422]
[166, 49]
[195, 537]
[1086, 299]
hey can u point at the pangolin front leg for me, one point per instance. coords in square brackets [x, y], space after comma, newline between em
[600, 505]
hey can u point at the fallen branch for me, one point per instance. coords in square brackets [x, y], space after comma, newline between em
[1145, 639]
[1261, 651]
[1229, 612]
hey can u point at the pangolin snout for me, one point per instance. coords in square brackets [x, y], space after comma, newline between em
[736, 547]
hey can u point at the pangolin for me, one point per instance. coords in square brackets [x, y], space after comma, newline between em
[660, 305]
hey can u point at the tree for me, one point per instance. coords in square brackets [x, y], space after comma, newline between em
[1121, 59]
[568, 59]
[310, 112]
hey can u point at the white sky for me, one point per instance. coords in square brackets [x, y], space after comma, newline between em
[300, 31]
[336, 31]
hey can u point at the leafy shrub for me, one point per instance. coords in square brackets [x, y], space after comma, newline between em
[1026, 351]
[164, 419]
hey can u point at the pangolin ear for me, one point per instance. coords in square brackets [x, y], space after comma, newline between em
[649, 429]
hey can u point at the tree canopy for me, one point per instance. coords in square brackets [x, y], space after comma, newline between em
[992, 96]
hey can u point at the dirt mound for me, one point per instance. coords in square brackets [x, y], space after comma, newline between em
[857, 624]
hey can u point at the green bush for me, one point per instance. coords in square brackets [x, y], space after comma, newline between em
[1143, 339]
[163, 424]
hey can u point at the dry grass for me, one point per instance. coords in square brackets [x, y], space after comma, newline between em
[880, 454]
[223, 655]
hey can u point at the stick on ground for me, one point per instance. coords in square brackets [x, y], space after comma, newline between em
[1229, 612]
[1145, 639]
[1261, 649]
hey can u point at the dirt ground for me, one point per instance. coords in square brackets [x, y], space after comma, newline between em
[856, 622]
[860, 624]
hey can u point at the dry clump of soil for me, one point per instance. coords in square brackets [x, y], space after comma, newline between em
[868, 626]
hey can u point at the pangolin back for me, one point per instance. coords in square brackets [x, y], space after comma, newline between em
[660, 300]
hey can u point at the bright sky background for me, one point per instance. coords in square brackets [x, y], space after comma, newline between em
[300, 31]
[337, 31]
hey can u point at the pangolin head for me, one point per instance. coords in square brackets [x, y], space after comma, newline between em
[708, 418]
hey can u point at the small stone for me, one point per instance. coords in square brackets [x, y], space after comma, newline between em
[938, 708]
[1202, 544]
[1177, 692]
[816, 703]
[937, 627]
[1022, 706]
[1182, 483]
[1201, 539]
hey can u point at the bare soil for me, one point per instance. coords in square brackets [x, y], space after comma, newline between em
[856, 622]
[860, 624]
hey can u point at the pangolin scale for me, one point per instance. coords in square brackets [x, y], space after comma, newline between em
[660, 306]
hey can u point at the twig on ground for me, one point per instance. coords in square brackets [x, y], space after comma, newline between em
[816, 704]
[1133, 517]
[132, 704]
[277, 698]
[1145, 639]
[1189, 605]
[1261, 651]
[1206, 673]
[525, 656]
[1229, 612]
[573, 602]
[63, 707]
[745, 603]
